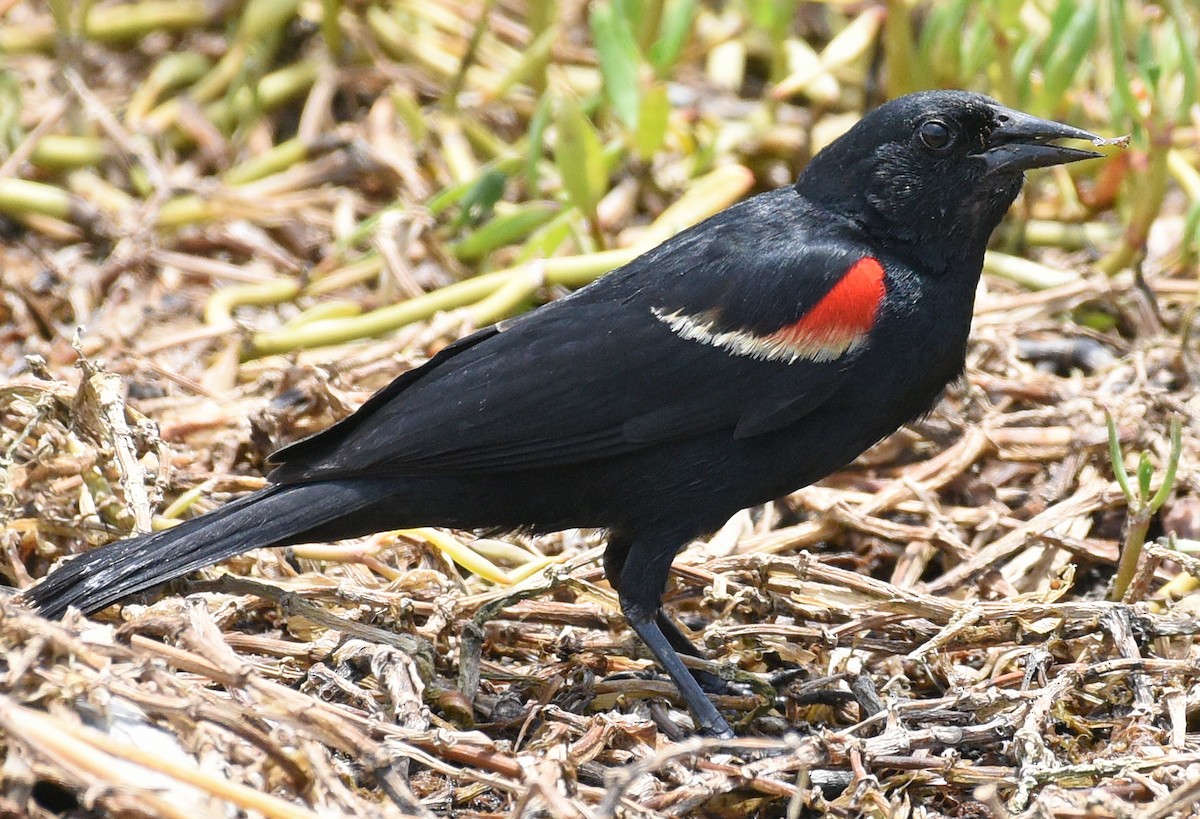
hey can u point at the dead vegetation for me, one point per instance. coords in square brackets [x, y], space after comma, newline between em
[930, 632]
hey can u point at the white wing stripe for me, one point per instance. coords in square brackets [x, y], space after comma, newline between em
[765, 348]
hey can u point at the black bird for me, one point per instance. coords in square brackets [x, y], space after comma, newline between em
[750, 355]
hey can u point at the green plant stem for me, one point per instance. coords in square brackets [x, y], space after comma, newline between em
[571, 271]
[109, 24]
[450, 98]
[1136, 526]
[19, 197]
[1148, 196]
[900, 47]
[58, 151]
[221, 304]
[330, 28]
[1142, 506]
[1168, 482]
[1026, 272]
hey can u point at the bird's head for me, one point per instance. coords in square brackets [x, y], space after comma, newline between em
[934, 172]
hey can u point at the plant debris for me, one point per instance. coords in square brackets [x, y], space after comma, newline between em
[258, 215]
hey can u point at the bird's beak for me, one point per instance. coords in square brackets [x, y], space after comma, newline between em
[1020, 142]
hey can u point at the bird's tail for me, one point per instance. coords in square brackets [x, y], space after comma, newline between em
[276, 516]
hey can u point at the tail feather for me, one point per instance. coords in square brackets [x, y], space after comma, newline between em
[276, 516]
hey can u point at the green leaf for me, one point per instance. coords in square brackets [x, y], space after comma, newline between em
[1069, 53]
[1008, 13]
[1168, 483]
[579, 156]
[979, 48]
[537, 132]
[1123, 104]
[1060, 19]
[775, 19]
[547, 239]
[1187, 57]
[618, 56]
[673, 31]
[1147, 59]
[480, 200]
[653, 118]
[1190, 246]
[906, 68]
[10, 110]
[265, 18]
[1145, 472]
[632, 13]
[763, 13]
[504, 229]
[448, 197]
[1022, 68]
[1117, 459]
[1099, 320]
[941, 41]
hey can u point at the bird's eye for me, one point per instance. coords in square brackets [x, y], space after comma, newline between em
[935, 135]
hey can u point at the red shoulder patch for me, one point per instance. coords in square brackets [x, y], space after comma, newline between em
[834, 326]
[841, 318]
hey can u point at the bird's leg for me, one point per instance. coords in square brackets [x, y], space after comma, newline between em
[614, 563]
[710, 682]
[643, 578]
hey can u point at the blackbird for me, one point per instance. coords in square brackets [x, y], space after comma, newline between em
[746, 357]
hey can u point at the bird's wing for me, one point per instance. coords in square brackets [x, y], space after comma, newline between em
[740, 325]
